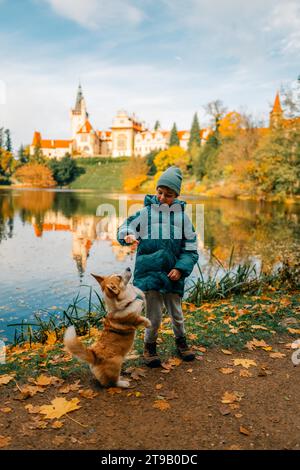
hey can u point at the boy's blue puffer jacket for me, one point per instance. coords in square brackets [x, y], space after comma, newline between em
[167, 240]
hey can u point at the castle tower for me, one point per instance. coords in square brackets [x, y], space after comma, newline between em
[79, 114]
[276, 115]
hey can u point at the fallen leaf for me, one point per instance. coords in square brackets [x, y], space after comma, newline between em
[57, 425]
[229, 397]
[189, 371]
[244, 363]
[4, 441]
[6, 378]
[244, 431]
[59, 407]
[294, 331]
[225, 351]
[161, 405]
[245, 373]
[226, 370]
[238, 415]
[258, 327]
[70, 387]
[277, 355]
[6, 410]
[31, 390]
[43, 380]
[114, 390]
[158, 386]
[175, 361]
[51, 338]
[255, 343]
[88, 393]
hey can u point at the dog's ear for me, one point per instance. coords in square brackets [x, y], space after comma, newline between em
[113, 288]
[98, 278]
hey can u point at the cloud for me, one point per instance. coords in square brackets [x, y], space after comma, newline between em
[92, 14]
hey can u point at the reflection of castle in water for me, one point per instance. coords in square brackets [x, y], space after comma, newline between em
[85, 229]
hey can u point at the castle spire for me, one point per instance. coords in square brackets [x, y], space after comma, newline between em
[277, 105]
[79, 98]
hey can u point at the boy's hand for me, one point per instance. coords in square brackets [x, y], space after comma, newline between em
[174, 275]
[130, 239]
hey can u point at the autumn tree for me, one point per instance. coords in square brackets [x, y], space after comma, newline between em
[64, 170]
[172, 156]
[174, 139]
[194, 139]
[35, 175]
[216, 111]
[157, 126]
[8, 144]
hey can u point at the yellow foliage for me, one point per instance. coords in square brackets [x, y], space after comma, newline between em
[135, 173]
[35, 175]
[172, 156]
[230, 124]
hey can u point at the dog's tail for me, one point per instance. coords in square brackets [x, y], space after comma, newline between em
[74, 346]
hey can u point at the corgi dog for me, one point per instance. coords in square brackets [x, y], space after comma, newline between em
[124, 303]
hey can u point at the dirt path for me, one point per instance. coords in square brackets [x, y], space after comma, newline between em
[264, 413]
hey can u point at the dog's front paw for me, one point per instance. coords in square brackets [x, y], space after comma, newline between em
[123, 383]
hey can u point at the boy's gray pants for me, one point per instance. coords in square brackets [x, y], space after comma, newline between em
[155, 302]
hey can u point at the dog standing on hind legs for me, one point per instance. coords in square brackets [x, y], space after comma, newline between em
[124, 303]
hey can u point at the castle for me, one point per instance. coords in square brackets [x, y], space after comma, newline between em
[127, 136]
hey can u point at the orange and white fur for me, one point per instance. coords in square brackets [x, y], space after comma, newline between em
[124, 303]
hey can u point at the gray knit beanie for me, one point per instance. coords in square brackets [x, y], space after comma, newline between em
[171, 178]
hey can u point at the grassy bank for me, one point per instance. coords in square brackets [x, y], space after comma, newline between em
[104, 174]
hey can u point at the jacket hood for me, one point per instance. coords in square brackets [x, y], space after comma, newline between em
[152, 199]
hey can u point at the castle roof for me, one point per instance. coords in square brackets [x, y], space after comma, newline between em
[37, 141]
[86, 128]
[277, 105]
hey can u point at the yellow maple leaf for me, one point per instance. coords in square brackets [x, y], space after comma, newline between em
[244, 363]
[43, 380]
[6, 409]
[59, 407]
[88, 393]
[245, 373]
[161, 405]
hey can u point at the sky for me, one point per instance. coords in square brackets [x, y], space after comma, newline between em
[162, 59]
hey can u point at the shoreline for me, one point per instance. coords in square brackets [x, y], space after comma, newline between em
[194, 195]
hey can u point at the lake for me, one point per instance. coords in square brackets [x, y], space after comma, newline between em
[51, 240]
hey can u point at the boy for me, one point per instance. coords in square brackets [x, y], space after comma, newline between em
[166, 255]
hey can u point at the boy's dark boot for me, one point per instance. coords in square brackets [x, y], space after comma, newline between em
[151, 359]
[183, 350]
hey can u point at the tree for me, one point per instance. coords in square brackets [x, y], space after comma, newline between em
[23, 154]
[174, 139]
[134, 173]
[230, 124]
[194, 133]
[65, 170]
[174, 155]
[1, 137]
[157, 125]
[8, 144]
[35, 175]
[215, 110]
[150, 162]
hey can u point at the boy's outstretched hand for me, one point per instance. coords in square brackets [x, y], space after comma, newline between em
[174, 275]
[131, 240]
